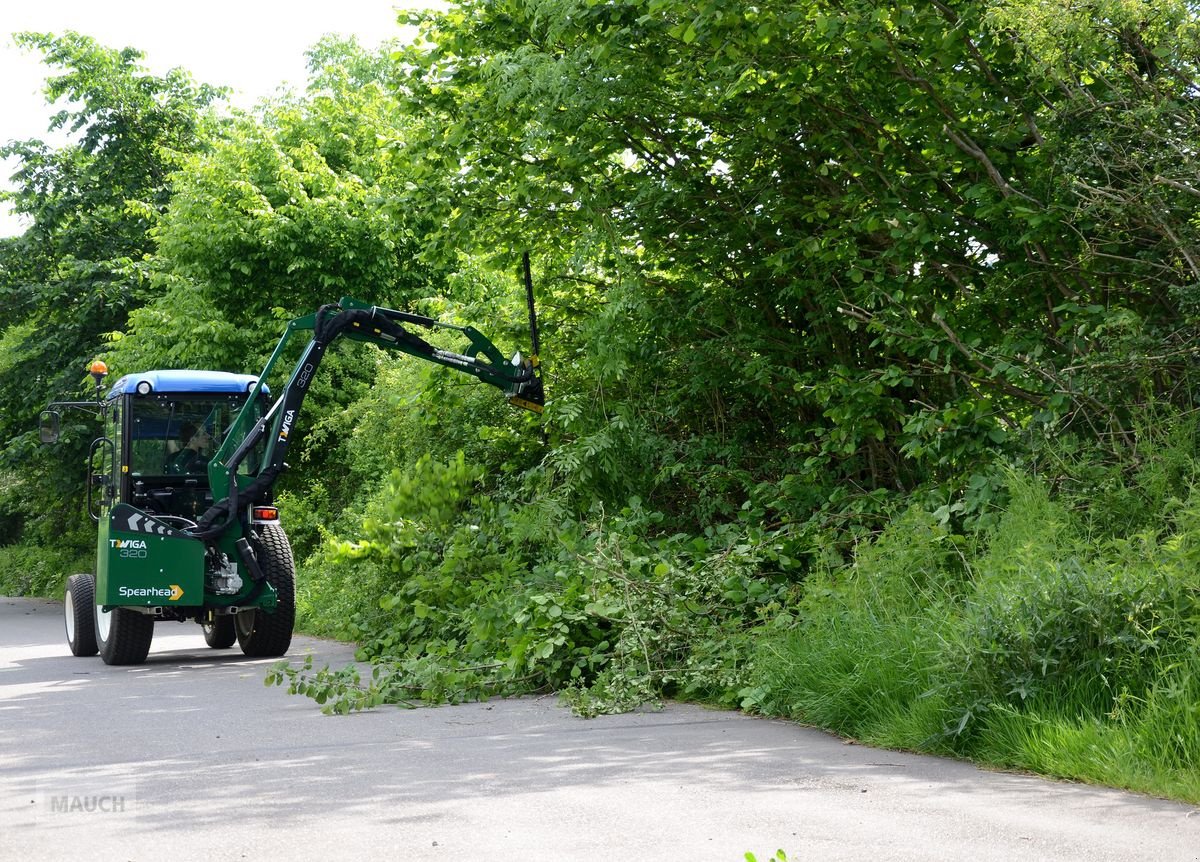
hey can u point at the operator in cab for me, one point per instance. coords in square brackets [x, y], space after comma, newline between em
[195, 454]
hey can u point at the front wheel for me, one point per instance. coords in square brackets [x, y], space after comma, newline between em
[123, 635]
[267, 634]
[78, 614]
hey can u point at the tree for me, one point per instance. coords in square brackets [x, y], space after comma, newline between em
[281, 213]
[79, 269]
[841, 241]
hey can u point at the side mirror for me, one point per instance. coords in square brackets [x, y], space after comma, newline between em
[48, 426]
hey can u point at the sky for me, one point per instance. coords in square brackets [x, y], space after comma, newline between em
[252, 46]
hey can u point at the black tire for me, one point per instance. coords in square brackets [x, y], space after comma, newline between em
[123, 635]
[220, 633]
[79, 614]
[263, 634]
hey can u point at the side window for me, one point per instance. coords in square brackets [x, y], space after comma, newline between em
[149, 439]
[117, 453]
[252, 463]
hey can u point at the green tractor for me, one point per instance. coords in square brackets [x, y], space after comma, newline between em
[182, 487]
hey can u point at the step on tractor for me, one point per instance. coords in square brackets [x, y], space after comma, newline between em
[182, 479]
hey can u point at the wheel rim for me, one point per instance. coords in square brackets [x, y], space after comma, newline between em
[103, 623]
[69, 610]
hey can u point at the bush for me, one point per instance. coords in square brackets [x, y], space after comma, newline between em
[1071, 632]
[33, 571]
[476, 596]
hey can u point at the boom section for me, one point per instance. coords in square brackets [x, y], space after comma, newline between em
[359, 321]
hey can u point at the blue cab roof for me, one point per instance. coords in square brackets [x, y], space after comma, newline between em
[186, 381]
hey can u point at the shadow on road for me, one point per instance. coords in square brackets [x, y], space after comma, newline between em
[204, 741]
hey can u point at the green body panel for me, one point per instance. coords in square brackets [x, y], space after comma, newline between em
[167, 566]
[267, 597]
[136, 568]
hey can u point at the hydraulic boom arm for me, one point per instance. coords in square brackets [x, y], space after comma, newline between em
[360, 321]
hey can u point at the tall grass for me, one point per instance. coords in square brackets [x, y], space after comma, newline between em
[861, 656]
[1042, 645]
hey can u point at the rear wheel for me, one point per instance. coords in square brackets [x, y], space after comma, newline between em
[78, 614]
[266, 634]
[123, 635]
[220, 633]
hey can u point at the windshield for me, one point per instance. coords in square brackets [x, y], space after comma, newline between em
[178, 435]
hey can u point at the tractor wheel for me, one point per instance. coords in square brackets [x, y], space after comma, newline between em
[220, 633]
[80, 618]
[266, 634]
[123, 635]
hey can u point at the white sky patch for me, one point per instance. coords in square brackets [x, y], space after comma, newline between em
[719, 169]
[253, 46]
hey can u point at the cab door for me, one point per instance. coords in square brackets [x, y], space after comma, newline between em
[104, 463]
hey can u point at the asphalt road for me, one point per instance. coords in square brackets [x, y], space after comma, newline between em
[189, 756]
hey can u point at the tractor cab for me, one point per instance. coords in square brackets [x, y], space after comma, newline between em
[161, 429]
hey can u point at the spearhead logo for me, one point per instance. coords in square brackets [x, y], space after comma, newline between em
[172, 594]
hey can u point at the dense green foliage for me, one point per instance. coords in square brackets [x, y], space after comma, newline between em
[76, 273]
[867, 333]
[1037, 646]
